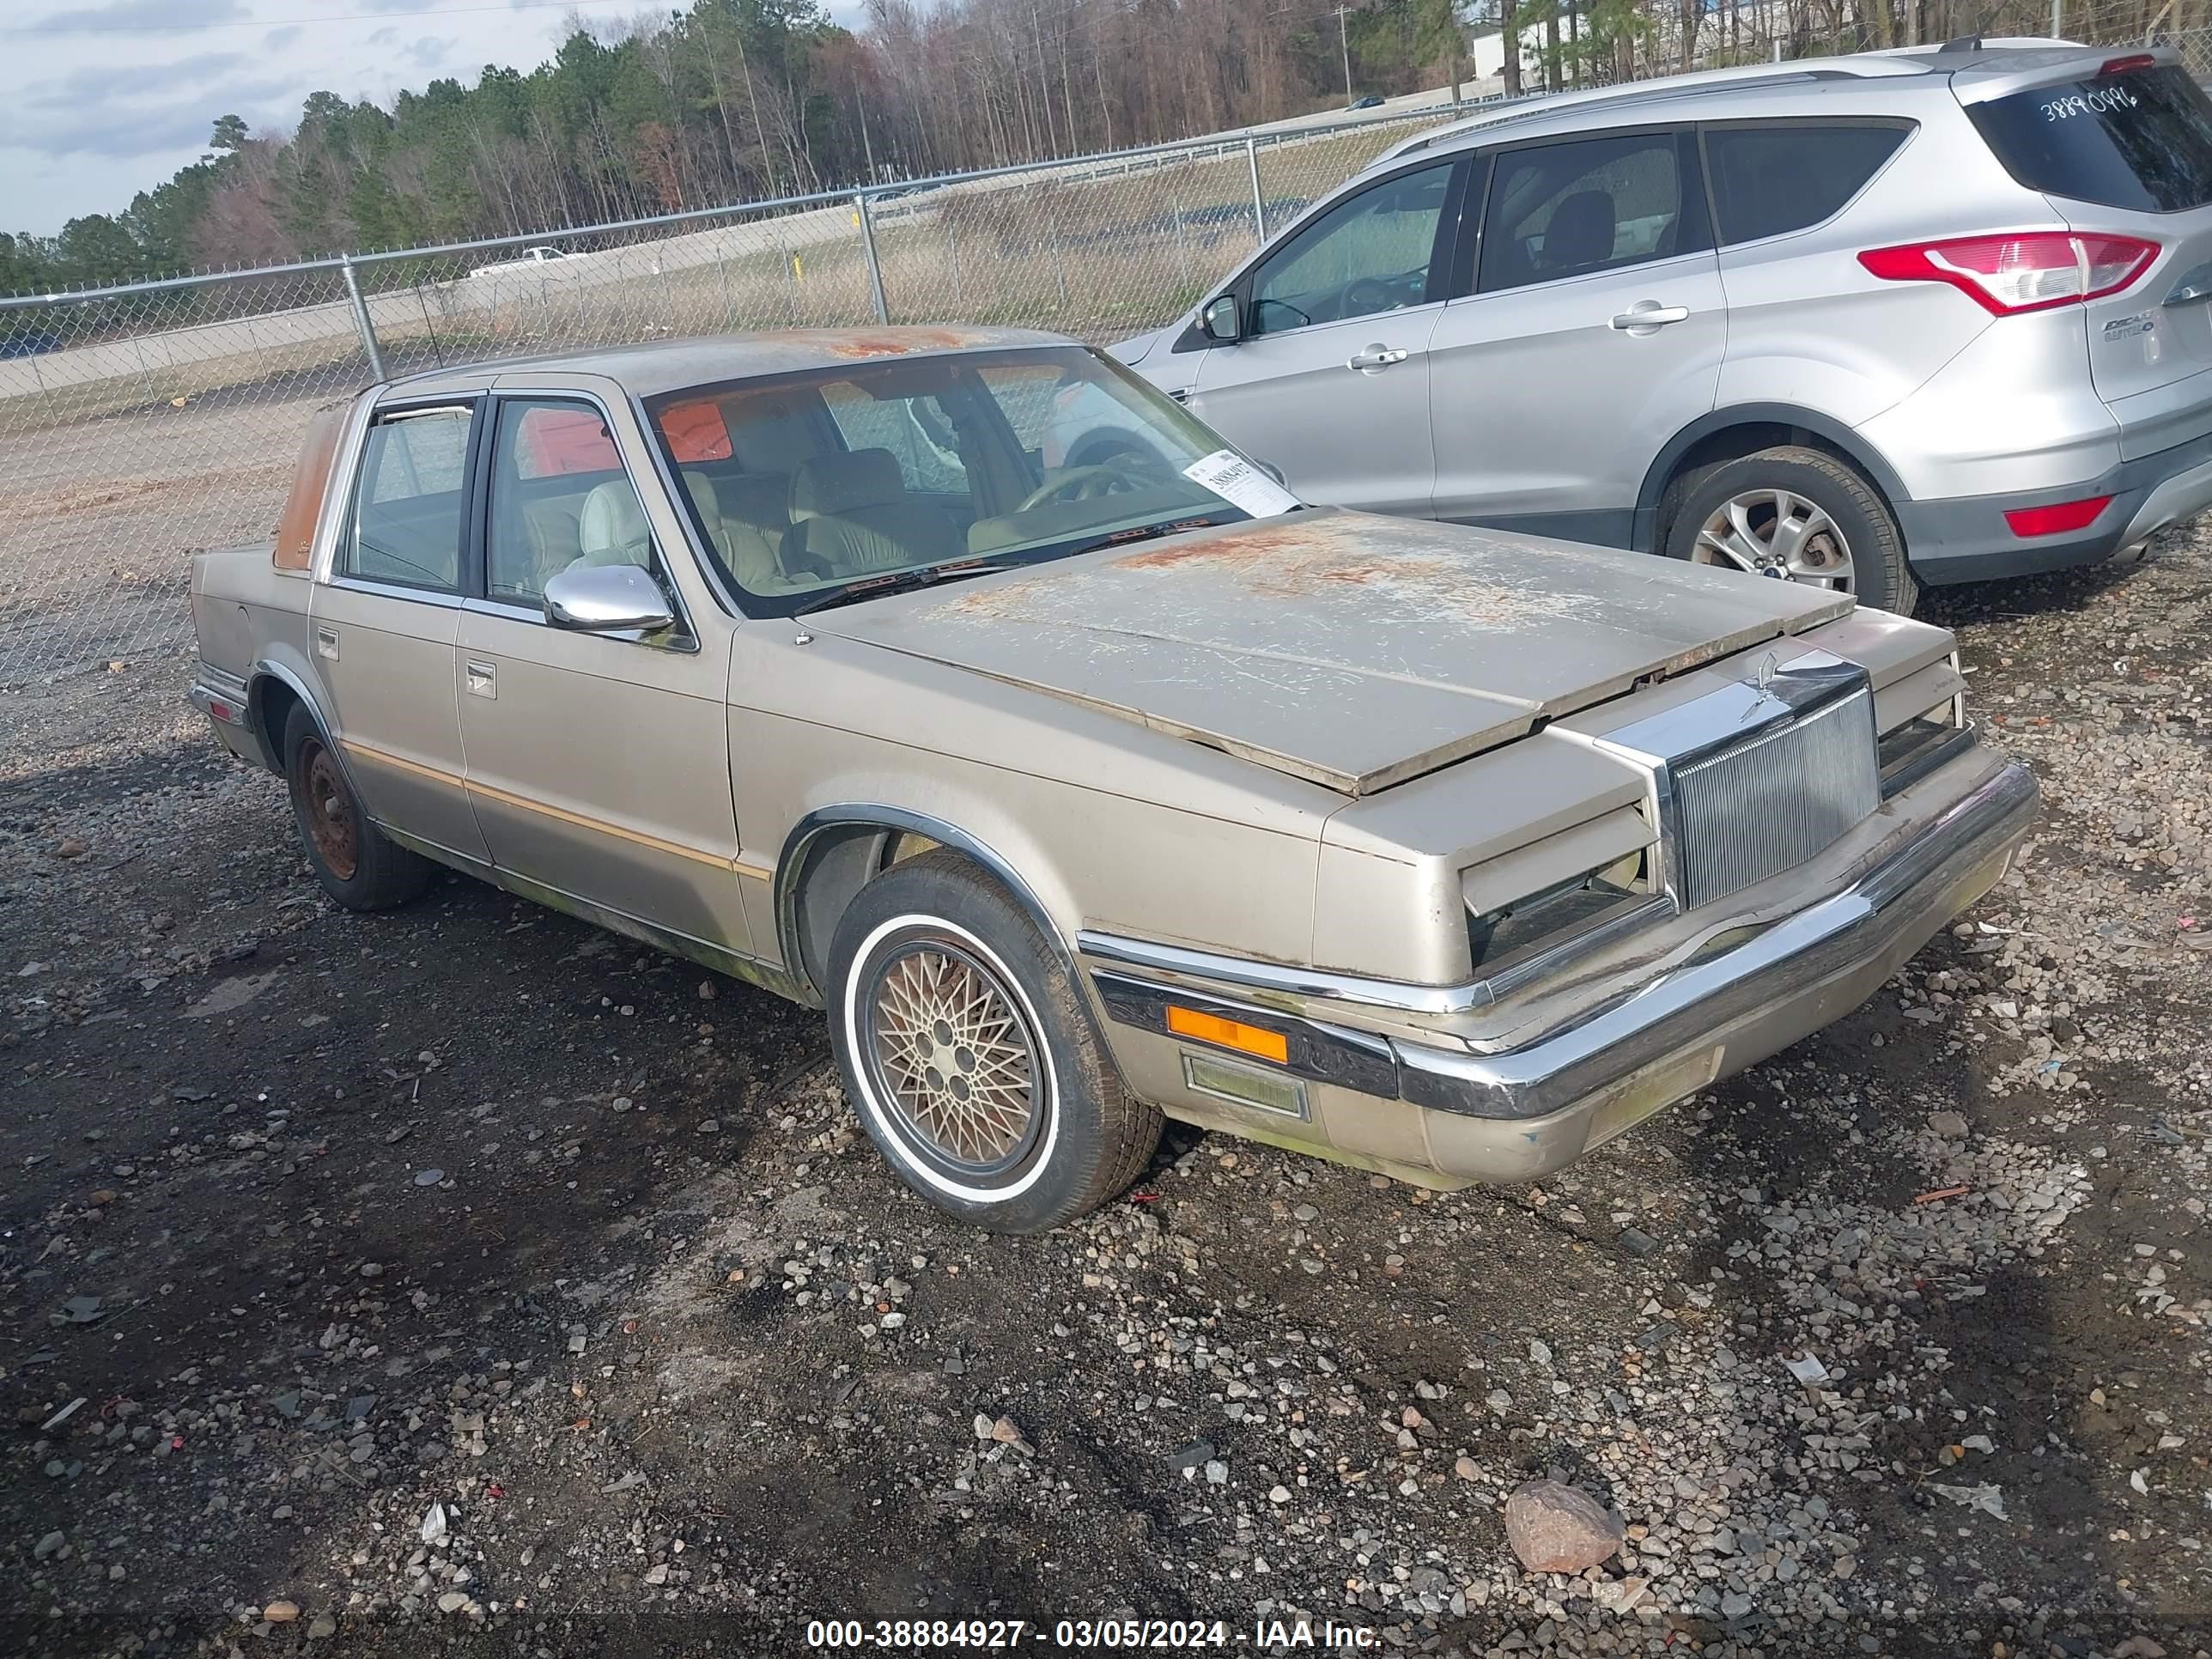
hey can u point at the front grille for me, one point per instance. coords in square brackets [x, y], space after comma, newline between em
[1777, 798]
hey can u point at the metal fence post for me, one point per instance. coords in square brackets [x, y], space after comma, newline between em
[1259, 202]
[784, 258]
[366, 329]
[952, 249]
[1059, 270]
[2058, 14]
[868, 248]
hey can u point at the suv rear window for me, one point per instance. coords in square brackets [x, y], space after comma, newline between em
[1770, 180]
[2140, 139]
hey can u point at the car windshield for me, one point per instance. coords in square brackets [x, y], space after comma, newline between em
[850, 477]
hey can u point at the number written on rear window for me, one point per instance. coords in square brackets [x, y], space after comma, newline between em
[2096, 101]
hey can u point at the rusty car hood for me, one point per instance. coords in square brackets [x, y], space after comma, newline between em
[1351, 651]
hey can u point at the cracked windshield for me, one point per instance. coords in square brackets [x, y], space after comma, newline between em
[810, 486]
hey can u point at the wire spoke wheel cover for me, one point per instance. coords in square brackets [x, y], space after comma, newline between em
[1777, 533]
[951, 1056]
[330, 820]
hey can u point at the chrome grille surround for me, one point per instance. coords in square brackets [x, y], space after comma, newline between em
[1760, 776]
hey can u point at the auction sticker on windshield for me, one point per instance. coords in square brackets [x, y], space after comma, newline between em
[1240, 483]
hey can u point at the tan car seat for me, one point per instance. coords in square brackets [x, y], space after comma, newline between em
[612, 528]
[746, 553]
[851, 515]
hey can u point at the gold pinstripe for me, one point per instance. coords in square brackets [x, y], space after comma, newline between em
[600, 826]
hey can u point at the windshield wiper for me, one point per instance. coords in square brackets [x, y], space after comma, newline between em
[899, 581]
[1150, 532]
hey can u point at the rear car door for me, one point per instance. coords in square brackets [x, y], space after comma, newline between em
[597, 762]
[384, 620]
[2121, 146]
[1329, 381]
[1589, 328]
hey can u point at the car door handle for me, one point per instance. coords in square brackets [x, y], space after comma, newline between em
[326, 642]
[1375, 357]
[484, 680]
[1647, 314]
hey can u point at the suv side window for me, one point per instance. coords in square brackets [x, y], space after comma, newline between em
[408, 504]
[1369, 253]
[1593, 204]
[1769, 180]
[559, 496]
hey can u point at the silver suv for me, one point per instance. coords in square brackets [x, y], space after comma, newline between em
[1924, 316]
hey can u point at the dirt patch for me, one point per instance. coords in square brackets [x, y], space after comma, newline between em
[469, 1205]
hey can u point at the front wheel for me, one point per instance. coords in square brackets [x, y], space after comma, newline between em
[975, 1066]
[1798, 514]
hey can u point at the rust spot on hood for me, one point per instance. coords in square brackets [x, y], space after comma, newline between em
[1307, 558]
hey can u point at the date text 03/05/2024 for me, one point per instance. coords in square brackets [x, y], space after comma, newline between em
[1091, 1635]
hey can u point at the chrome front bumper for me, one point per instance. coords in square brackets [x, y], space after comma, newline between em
[1522, 1112]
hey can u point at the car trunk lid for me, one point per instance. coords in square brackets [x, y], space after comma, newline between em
[1350, 651]
[2120, 144]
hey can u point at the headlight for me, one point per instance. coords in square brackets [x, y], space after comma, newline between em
[1913, 747]
[1566, 892]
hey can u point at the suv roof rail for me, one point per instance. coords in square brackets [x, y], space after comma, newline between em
[1742, 77]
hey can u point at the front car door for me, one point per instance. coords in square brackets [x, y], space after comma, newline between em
[1590, 330]
[383, 619]
[1329, 381]
[597, 762]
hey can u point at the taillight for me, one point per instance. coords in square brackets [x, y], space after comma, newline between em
[2128, 65]
[2057, 519]
[2031, 270]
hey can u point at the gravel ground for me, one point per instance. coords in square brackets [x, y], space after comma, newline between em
[466, 1278]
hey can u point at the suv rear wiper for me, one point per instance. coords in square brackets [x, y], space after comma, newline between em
[900, 581]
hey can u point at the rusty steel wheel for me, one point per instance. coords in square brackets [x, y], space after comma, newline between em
[330, 821]
[357, 863]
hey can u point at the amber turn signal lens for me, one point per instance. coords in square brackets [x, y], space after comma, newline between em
[1229, 1034]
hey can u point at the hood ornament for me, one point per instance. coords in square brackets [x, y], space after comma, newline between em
[1761, 680]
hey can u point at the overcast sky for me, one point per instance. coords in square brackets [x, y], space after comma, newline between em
[103, 99]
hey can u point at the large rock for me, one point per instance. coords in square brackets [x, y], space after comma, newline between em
[1555, 1527]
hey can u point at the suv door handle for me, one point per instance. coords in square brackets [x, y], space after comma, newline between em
[1647, 314]
[1377, 357]
[484, 680]
[326, 641]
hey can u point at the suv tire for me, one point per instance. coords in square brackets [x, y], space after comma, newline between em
[974, 1063]
[358, 865]
[1814, 488]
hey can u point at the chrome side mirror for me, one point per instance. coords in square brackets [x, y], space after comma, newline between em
[1221, 322]
[607, 598]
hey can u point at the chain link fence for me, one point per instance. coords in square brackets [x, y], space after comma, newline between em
[139, 424]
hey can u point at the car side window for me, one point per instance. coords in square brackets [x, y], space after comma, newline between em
[1770, 181]
[407, 506]
[1569, 209]
[1369, 253]
[559, 496]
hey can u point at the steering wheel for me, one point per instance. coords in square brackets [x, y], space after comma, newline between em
[1372, 293]
[1084, 483]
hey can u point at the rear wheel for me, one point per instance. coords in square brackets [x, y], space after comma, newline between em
[974, 1065]
[358, 865]
[1798, 514]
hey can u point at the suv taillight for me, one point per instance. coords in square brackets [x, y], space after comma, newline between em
[2031, 270]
